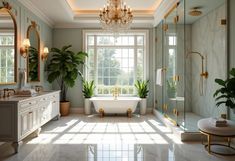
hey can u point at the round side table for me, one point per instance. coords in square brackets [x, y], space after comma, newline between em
[207, 127]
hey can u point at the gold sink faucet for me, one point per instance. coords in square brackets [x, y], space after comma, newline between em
[115, 92]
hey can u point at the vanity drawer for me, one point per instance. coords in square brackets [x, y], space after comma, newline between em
[27, 104]
[44, 99]
[55, 97]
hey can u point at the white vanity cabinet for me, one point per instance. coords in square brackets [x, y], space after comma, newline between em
[21, 116]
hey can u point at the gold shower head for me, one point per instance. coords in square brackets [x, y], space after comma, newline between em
[195, 11]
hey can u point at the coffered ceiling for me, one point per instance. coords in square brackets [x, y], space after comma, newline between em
[85, 13]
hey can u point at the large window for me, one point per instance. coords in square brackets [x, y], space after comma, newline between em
[115, 60]
[7, 57]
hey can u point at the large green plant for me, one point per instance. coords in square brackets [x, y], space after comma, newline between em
[88, 88]
[226, 94]
[142, 88]
[64, 68]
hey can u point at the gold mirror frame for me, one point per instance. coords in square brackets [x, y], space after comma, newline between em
[33, 27]
[6, 7]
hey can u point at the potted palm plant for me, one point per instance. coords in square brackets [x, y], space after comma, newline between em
[63, 69]
[142, 92]
[88, 92]
[226, 94]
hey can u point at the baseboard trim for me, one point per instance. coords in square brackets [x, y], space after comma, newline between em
[77, 110]
[149, 110]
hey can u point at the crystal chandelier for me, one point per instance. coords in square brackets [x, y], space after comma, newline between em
[115, 16]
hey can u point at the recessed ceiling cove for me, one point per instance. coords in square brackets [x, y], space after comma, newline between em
[83, 5]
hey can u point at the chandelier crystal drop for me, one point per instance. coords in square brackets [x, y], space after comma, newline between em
[116, 16]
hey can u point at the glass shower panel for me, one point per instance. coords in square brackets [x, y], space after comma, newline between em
[159, 66]
[170, 60]
[180, 65]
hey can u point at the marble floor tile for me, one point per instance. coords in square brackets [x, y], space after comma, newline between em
[113, 138]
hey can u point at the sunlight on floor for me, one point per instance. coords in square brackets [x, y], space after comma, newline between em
[77, 131]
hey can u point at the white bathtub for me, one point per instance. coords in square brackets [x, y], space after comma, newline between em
[112, 106]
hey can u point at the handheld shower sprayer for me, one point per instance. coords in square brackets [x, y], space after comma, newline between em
[203, 72]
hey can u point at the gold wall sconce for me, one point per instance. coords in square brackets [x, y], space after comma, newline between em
[45, 54]
[25, 48]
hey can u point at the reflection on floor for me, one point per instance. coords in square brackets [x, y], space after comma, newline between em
[82, 138]
[189, 123]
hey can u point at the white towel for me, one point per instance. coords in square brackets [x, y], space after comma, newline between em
[159, 77]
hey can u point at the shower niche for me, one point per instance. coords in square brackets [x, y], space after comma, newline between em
[191, 52]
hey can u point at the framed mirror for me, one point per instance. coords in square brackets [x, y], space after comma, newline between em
[8, 45]
[33, 61]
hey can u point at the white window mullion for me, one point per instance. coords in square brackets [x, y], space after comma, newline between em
[135, 60]
[95, 64]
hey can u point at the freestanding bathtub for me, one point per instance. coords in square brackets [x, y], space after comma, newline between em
[109, 105]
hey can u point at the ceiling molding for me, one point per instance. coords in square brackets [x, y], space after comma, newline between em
[94, 23]
[93, 26]
[67, 7]
[163, 8]
[30, 6]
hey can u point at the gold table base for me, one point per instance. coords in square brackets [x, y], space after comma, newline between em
[209, 144]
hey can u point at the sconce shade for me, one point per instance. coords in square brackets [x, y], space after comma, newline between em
[45, 50]
[45, 53]
[24, 48]
[26, 43]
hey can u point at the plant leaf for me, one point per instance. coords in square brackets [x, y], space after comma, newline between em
[220, 82]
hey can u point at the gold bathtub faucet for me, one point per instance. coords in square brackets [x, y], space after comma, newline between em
[115, 92]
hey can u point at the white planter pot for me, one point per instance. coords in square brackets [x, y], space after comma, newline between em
[87, 106]
[143, 106]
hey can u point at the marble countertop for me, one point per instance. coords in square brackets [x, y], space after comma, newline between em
[16, 98]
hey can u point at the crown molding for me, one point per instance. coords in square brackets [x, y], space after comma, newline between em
[67, 7]
[30, 6]
[163, 8]
[94, 23]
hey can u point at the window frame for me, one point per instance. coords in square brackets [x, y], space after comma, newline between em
[135, 47]
[8, 33]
